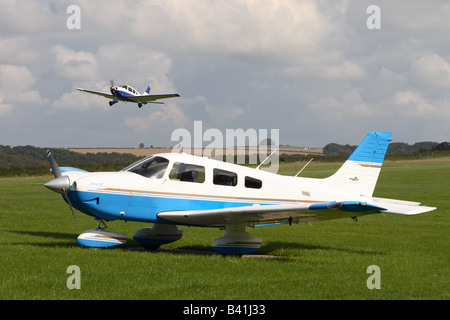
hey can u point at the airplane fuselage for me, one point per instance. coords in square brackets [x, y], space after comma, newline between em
[131, 196]
[124, 92]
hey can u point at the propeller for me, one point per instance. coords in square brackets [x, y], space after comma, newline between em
[61, 184]
[111, 88]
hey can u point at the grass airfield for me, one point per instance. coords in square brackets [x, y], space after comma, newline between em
[327, 260]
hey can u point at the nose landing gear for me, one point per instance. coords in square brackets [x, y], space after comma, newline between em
[99, 238]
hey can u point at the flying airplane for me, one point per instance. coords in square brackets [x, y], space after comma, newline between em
[181, 189]
[129, 94]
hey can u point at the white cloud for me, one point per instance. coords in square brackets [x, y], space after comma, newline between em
[431, 71]
[414, 104]
[17, 51]
[16, 88]
[345, 70]
[158, 119]
[5, 108]
[74, 65]
[26, 17]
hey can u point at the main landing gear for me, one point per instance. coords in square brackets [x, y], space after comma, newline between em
[152, 238]
[112, 102]
[236, 241]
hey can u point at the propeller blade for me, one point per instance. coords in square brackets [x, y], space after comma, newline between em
[60, 184]
[66, 196]
[53, 164]
[112, 82]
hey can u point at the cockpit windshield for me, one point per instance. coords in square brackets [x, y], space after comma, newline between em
[151, 167]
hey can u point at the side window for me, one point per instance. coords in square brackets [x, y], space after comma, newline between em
[224, 178]
[153, 168]
[187, 172]
[253, 183]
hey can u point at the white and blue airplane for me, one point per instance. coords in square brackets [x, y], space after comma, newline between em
[129, 94]
[180, 189]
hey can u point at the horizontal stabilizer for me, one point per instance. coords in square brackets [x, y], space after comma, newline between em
[402, 207]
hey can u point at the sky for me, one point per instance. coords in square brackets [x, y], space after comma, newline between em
[317, 71]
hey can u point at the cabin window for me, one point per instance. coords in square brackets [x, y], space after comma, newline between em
[224, 178]
[187, 172]
[253, 183]
[153, 168]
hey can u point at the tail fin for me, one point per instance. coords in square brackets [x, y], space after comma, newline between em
[359, 174]
[147, 91]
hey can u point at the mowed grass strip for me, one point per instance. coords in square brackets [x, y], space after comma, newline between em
[326, 260]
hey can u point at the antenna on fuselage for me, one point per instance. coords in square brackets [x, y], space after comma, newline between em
[267, 158]
[304, 167]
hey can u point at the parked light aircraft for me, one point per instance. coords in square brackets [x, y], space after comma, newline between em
[180, 189]
[129, 94]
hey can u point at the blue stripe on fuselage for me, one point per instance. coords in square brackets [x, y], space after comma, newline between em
[144, 208]
[124, 95]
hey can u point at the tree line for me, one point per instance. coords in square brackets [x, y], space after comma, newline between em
[394, 148]
[29, 160]
[32, 161]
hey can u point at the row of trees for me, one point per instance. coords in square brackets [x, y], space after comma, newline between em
[395, 148]
[29, 160]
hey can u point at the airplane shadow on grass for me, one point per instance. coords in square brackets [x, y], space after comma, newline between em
[62, 239]
[272, 246]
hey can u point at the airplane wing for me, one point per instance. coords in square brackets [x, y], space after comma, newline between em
[254, 215]
[152, 97]
[106, 95]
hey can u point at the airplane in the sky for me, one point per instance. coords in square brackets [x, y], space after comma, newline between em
[181, 189]
[129, 94]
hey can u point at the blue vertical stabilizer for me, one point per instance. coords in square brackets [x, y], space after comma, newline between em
[373, 148]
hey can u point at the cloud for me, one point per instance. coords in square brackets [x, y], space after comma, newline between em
[431, 71]
[415, 104]
[16, 88]
[39, 17]
[17, 51]
[158, 119]
[74, 65]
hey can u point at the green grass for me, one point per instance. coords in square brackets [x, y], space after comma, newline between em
[320, 261]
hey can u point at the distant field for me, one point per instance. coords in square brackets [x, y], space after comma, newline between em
[149, 151]
[326, 260]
